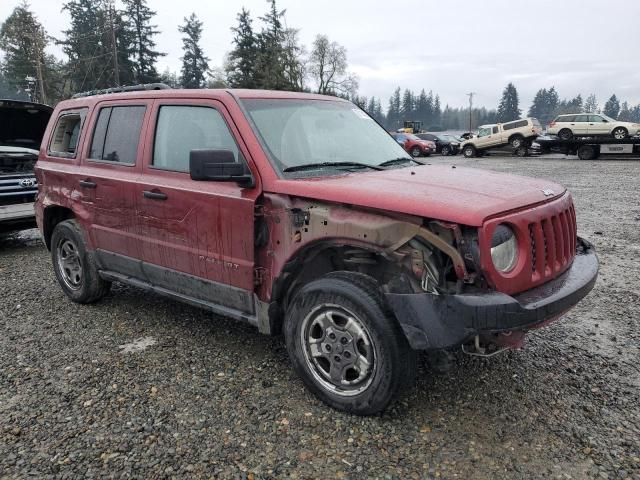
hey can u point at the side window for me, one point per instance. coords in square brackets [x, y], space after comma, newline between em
[180, 129]
[64, 141]
[581, 118]
[495, 129]
[483, 132]
[596, 119]
[567, 118]
[117, 134]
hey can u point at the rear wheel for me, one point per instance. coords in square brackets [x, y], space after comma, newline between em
[565, 134]
[74, 266]
[620, 133]
[469, 151]
[345, 345]
[516, 141]
[416, 152]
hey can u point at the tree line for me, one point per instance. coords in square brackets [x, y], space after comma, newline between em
[107, 47]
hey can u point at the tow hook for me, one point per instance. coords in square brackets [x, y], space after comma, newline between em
[481, 351]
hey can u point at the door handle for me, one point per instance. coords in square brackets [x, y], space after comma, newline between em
[87, 183]
[154, 195]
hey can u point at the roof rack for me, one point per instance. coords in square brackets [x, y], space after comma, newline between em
[130, 88]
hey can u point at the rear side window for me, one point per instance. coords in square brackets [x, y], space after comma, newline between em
[581, 118]
[64, 142]
[180, 129]
[518, 124]
[495, 129]
[566, 118]
[117, 134]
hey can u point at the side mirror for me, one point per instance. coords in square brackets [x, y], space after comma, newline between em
[218, 166]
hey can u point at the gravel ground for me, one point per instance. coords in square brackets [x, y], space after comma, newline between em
[139, 386]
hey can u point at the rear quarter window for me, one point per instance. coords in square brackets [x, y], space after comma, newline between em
[66, 133]
[517, 124]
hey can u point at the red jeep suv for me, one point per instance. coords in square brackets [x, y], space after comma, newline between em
[298, 213]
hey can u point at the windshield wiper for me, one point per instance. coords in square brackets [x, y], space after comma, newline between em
[318, 165]
[393, 161]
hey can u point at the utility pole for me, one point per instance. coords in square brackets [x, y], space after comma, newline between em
[470, 95]
[116, 70]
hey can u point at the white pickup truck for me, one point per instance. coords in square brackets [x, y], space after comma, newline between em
[518, 133]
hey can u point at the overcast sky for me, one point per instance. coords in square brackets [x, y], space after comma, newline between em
[449, 46]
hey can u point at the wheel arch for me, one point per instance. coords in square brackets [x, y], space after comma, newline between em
[52, 216]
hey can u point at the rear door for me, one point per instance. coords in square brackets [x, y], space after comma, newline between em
[110, 169]
[196, 236]
[580, 125]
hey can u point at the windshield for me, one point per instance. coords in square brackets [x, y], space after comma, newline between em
[607, 118]
[303, 132]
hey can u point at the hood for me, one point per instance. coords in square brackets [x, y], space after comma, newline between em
[466, 196]
[22, 124]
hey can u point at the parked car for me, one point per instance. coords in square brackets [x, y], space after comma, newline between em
[299, 214]
[22, 125]
[445, 144]
[414, 145]
[517, 134]
[591, 125]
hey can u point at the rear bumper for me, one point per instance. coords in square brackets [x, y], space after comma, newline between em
[443, 321]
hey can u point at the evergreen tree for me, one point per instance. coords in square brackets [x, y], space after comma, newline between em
[242, 60]
[508, 109]
[437, 113]
[293, 63]
[138, 16]
[612, 107]
[271, 50]
[195, 66]
[625, 114]
[24, 40]
[591, 104]
[90, 48]
[407, 110]
[170, 78]
[393, 112]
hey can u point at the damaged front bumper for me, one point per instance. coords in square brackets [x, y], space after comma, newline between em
[443, 321]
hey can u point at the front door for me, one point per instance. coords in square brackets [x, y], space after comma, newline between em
[196, 236]
[486, 138]
[598, 125]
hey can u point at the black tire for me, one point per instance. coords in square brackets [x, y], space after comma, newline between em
[620, 133]
[416, 152]
[446, 151]
[469, 151]
[357, 296]
[565, 134]
[517, 141]
[587, 152]
[521, 152]
[67, 248]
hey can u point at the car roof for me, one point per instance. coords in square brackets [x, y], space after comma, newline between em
[204, 93]
[6, 103]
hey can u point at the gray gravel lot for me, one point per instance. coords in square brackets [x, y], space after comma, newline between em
[203, 397]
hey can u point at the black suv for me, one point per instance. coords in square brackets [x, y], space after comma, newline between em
[445, 144]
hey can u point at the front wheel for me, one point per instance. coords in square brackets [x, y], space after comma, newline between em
[446, 151]
[416, 152]
[620, 133]
[345, 345]
[74, 266]
[469, 151]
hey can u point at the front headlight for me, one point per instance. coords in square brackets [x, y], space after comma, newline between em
[504, 249]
